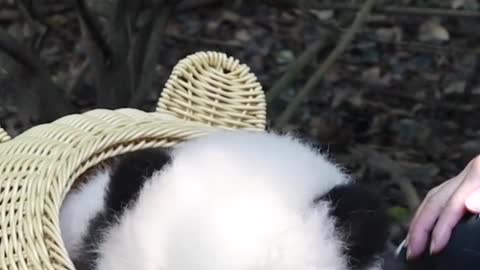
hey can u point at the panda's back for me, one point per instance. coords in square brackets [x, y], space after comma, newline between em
[232, 200]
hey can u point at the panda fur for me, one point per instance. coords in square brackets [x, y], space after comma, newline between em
[231, 200]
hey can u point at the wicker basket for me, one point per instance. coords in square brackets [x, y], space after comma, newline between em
[206, 91]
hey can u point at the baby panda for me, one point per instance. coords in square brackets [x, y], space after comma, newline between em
[231, 200]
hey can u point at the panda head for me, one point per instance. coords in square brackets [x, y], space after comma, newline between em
[243, 201]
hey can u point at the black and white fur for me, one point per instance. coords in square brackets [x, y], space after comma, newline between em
[227, 201]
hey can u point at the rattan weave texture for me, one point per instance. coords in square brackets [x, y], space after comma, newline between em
[214, 89]
[3, 135]
[206, 91]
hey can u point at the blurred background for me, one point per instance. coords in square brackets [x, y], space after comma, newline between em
[391, 89]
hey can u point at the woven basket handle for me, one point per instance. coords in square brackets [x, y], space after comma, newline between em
[3, 135]
[214, 89]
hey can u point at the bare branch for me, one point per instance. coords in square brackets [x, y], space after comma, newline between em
[474, 78]
[137, 52]
[40, 24]
[103, 8]
[98, 47]
[192, 4]
[8, 14]
[409, 191]
[206, 41]
[33, 80]
[295, 68]
[26, 8]
[108, 61]
[389, 10]
[117, 82]
[118, 28]
[385, 163]
[161, 16]
[396, 10]
[317, 77]
[19, 53]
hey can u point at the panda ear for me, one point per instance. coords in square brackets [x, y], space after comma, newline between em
[362, 220]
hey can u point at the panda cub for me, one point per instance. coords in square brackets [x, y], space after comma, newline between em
[231, 200]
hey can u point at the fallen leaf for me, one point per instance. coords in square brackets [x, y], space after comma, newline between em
[242, 35]
[432, 30]
[455, 88]
[231, 16]
[457, 3]
[393, 34]
[464, 4]
[371, 75]
[285, 56]
[323, 14]
[374, 76]
[476, 90]
[339, 97]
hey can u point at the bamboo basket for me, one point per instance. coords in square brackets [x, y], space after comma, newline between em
[206, 91]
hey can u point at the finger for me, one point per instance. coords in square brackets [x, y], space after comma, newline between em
[425, 218]
[430, 194]
[428, 212]
[455, 209]
[473, 201]
[453, 184]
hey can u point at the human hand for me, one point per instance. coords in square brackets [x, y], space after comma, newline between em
[442, 209]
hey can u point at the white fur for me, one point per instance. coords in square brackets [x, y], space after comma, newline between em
[231, 201]
[80, 207]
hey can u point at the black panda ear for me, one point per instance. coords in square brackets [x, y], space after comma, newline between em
[362, 220]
